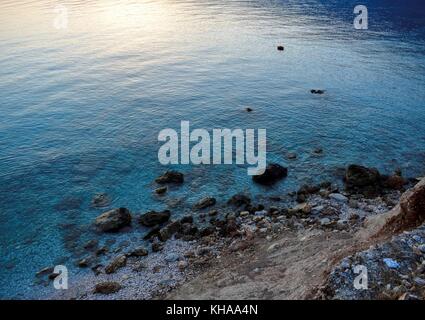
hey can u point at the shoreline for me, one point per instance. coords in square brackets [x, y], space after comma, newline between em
[190, 251]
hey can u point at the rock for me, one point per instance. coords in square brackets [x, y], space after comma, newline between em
[261, 213]
[156, 268]
[240, 245]
[113, 220]
[157, 246]
[152, 233]
[172, 257]
[419, 281]
[338, 197]
[392, 264]
[318, 150]
[291, 156]
[395, 182]
[206, 231]
[353, 203]
[169, 230]
[53, 276]
[205, 203]
[244, 213]
[45, 271]
[139, 266]
[187, 219]
[116, 264]
[188, 229]
[342, 224]
[153, 218]
[139, 252]
[273, 247]
[408, 296]
[212, 213]
[302, 207]
[83, 263]
[315, 91]
[107, 287]
[100, 200]
[239, 200]
[325, 222]
[274, 172]
[229, 229]
[102, 250]
[170, 177]
[91, 244]
[305, 191]
[203, 251]
[161, 190]
[280, 48]
[359, 177]
[182, 265]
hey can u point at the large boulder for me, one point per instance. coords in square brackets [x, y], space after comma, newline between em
[359, 177]
[113, 220]
[153, 218]
[274, 172]
[170, 177]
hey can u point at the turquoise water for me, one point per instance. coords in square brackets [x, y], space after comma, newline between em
[81, 108]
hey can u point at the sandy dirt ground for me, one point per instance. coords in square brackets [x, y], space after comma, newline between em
[292, 266]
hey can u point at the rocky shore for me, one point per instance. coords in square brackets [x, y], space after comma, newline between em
[311, 237]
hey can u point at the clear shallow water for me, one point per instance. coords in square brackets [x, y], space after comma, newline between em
[80, 109]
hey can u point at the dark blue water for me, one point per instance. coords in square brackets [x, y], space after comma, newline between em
[81, 108]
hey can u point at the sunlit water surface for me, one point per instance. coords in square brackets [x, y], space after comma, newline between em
[81, 108]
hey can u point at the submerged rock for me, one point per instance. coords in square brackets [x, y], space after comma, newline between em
[274, 172]
[161, 190]
[45, 271]
[91, 244]
[291, 155]
[239, 200]
[170, 177]
[113, 220]
[69, 203]
[107, 287]
[205, 203]
[153, 218]
[100, 200]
